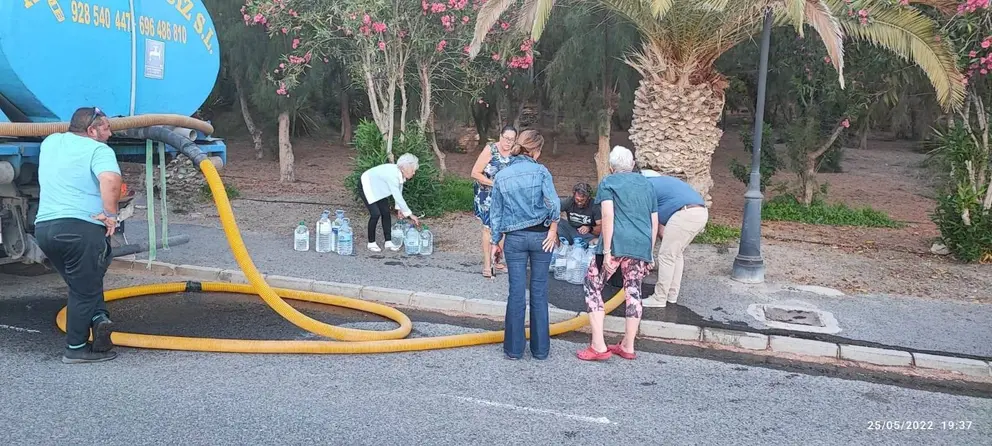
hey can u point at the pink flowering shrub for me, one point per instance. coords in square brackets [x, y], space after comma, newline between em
[432, 32]
[971, 31]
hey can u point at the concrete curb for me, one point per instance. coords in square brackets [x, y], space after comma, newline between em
[801, 349]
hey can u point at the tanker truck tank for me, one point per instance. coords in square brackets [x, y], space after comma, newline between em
[144, 63]
[58, 55]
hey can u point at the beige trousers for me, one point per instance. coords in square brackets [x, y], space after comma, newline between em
[681, 229]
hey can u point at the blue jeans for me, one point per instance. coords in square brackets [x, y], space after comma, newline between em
[566, 230]
[519, 247]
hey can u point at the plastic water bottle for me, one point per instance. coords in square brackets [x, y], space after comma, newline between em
[301, 238]
[324, 232]
[426, 242]
[561, 262]
[555, 254]
[397, 233]
[588, 257]
[346, 246]
[412, 241]
[573, 267]
[336, 228]
[554, 257]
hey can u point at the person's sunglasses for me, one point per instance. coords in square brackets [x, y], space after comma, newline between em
[97, 113]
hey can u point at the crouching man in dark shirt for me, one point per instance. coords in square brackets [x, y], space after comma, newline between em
[580, 216]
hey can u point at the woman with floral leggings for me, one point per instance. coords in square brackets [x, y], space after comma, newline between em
[630, 220]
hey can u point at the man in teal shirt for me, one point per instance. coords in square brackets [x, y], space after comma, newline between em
[77, 213]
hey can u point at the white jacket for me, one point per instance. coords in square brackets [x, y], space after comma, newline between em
[383, 181]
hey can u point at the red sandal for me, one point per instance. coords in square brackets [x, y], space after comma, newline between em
[618, 350]
[588, 354]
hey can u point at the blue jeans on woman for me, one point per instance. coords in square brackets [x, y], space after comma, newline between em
[519, 247]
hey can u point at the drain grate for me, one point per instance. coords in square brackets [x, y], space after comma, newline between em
[798, 317]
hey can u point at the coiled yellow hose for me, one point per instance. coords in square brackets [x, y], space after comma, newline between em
[359, 341]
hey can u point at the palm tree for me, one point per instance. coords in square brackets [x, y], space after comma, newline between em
[681, 95]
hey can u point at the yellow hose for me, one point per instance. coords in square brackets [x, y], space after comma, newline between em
[358, 341]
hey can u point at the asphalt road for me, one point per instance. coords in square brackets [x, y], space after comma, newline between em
[928, 325]
[457, 396]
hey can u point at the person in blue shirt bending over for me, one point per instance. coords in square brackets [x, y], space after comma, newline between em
[525, 209]
[80, 187]
[682, 215]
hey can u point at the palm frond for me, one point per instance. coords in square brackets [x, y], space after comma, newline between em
[819, 16]
[795, 11]
[946, 7]
[489, 14]
[711, 5]
[914, 37]
[534, 17]
[638, 13]
[660, 7]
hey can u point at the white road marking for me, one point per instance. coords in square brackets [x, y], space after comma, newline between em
[28, 330]
[600, 420]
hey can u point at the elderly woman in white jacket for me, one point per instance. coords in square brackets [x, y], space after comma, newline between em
[377, 185]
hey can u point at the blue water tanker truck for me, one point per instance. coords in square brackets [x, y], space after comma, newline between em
[147, 64]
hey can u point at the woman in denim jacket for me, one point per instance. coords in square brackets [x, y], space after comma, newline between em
[525, 209]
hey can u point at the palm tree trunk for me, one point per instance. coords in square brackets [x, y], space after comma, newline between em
[675, 130]
[287, 171]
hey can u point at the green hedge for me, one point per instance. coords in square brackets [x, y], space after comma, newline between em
[424, 192]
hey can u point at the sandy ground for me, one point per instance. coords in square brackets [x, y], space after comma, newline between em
[888, 176]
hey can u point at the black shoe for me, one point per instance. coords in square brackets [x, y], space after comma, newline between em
[102, 328]
[86, 355]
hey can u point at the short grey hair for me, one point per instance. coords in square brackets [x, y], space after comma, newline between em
[408, 160]
[621, 159]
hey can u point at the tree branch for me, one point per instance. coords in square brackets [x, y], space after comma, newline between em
[830, 142]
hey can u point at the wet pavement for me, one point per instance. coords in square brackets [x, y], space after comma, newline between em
[907, 323]
[458, 396]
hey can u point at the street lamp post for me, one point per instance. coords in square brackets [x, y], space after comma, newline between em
[749, 267]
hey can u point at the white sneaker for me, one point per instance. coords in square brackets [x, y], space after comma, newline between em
[373, 247]
[390, 246]
[653, 302]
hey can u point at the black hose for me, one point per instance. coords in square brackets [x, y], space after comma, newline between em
[164, 134]
[135, 248]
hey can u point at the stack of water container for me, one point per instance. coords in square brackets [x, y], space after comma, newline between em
[338, 236]
[570, 263]
[332, 236]
[413, 241]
